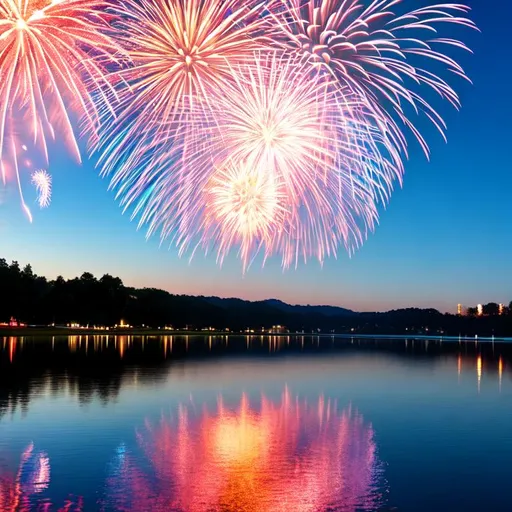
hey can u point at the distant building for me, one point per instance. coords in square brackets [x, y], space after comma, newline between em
[278, 329]
[501, 309]
[12, 323]
[460, 309]
[479, 310]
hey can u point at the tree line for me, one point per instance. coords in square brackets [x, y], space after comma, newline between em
[88, 300]
[491, 309]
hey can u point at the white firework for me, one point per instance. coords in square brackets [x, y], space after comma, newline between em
[43, 183]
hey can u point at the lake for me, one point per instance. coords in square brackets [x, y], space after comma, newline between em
[260, 424]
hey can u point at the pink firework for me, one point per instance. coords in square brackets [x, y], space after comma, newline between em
[278, 133]
[279, 166]
[243, 204]
[180, 51]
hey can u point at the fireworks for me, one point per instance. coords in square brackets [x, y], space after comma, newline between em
[380, 55]
[272, 127]
[285, 142]
[43, 183]
[284, 121]
[244, 204]
[279, 165]
[180, 51]
[52, 64]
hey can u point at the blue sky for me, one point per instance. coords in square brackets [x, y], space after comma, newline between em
[443, 239]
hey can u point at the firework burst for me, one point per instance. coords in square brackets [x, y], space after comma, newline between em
[180, 52]
[382, 57]
[244, 206]
[278, 165]
[43, 183]
[274, 134]
[53, 57]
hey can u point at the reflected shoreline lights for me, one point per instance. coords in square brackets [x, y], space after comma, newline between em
[289, 456]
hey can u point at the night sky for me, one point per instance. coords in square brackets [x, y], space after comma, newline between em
[443, 239]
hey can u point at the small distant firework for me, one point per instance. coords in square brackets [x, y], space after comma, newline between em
[43, 183]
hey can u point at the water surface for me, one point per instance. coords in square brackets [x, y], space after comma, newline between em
[254, 424]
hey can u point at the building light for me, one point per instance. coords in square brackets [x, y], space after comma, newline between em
[480, 310]
[501, 309]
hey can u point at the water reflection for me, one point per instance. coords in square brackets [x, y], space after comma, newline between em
[95, 367]
[287, 455]
[23, 489]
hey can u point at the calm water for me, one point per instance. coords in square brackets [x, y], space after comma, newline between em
[254, 424]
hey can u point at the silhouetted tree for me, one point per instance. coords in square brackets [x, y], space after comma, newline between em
[491, 309]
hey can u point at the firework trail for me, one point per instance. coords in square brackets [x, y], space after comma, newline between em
[383, 57]
[43, 183]
[53, 62]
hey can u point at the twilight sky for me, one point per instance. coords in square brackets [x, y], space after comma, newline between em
[445, 237]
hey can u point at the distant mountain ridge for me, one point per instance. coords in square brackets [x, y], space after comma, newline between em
[328, 311]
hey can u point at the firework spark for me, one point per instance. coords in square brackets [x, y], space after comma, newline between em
[52, 62]
[380, 56]
[43, 183]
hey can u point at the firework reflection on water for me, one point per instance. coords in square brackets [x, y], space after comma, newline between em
[288, 455]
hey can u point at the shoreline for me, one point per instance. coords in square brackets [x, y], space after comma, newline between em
[19, 332]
